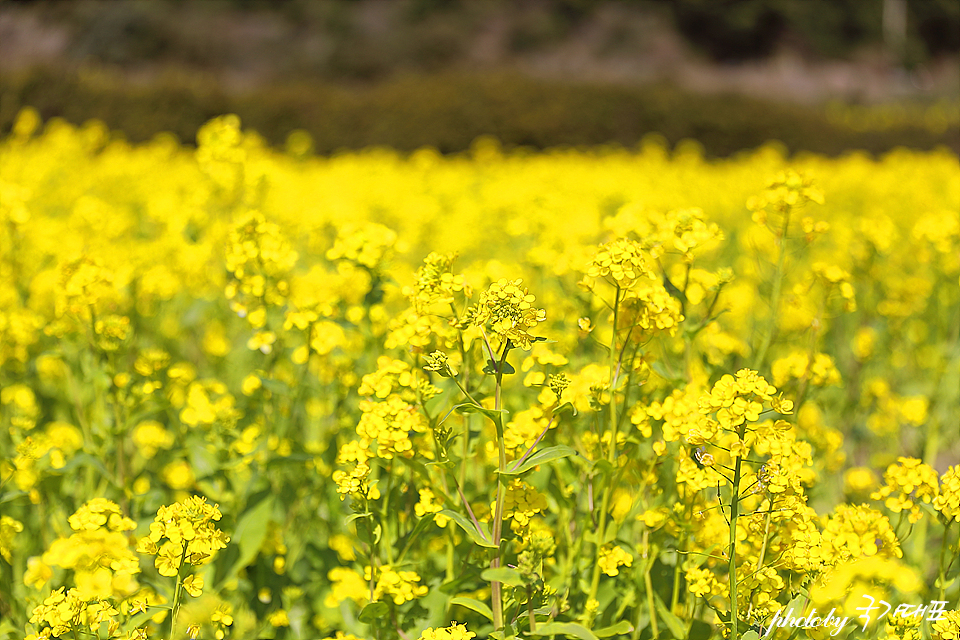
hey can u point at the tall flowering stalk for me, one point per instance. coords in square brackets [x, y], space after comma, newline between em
[638, 288]
[729, 421]
[182, 535]
[507, 310]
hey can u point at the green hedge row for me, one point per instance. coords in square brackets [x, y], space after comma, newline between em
[447, 112]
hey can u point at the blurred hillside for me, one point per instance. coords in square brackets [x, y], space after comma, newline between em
[731, 73]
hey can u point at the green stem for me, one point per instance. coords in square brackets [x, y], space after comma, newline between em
[530, 616]
[675, 596]
[775, 298]
[942, 577]
[611, 456]
[766, 537]
[496, 589]
[648, 584]
[734, 512]
[177, 595]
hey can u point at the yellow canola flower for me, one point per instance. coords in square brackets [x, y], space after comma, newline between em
[612, 558]
[507, 309]
[9, 528]
[453, 632]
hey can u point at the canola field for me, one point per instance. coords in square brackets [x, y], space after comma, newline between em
[581, 393]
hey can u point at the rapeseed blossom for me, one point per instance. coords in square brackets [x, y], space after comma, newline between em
[280, 332]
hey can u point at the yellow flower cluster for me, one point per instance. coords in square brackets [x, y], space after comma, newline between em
[788, 190]
[679, 412]
[259, 259]
[852, 532]
[191, 536]
[429, 503]
[355, 482]
[346, 584]
[820, 372]
[612, 557]
[9, 528]
[119, 338]
[948, 627]
[390, 424]
[64, 612]
[453, 632]
[436, 283]
[368, 245]
[703, 583]
[98, 551]
[735, 402]
[908, 481]
[948, 500]
[391, 376]
[521, 432]
[508, 310]
[399, 586]
[624, 262]
[521, 503]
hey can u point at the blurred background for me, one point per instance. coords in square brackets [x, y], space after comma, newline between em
[818, 75]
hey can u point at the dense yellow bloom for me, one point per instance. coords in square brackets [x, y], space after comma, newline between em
[820, 372]
[346, 584]
[429, 504]
[391, 376]
[368, 245]
[150, 436]
[612, 558]
[190, 532]
[948, 500]
[436, 283]
[9, 528]
[390, 424]
[948, 627]
[453, 632]
[507, 308]
[97, 551]
[852, 532]
[400, 586]
[355, 482]
[912, 481]
[119, 299]
[859, 480]
[521, 503]
[703, 583]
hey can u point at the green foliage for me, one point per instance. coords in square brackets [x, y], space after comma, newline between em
[448, 112]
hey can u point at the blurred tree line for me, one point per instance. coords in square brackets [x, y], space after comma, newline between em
[347, 39]
[410, 73]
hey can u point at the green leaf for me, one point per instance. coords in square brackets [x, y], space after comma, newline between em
[467, 525]
[621, 628]
[352, 517]
[491, 368]
[403, 544]
[750, 635]
[566, 407]
[700, 631]
[542, 456]
[365, 534]
[473, 605]
[673, 622]
[373, 612]
[469, 407]
[506, 575]
[565, 628]
[250, 532]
